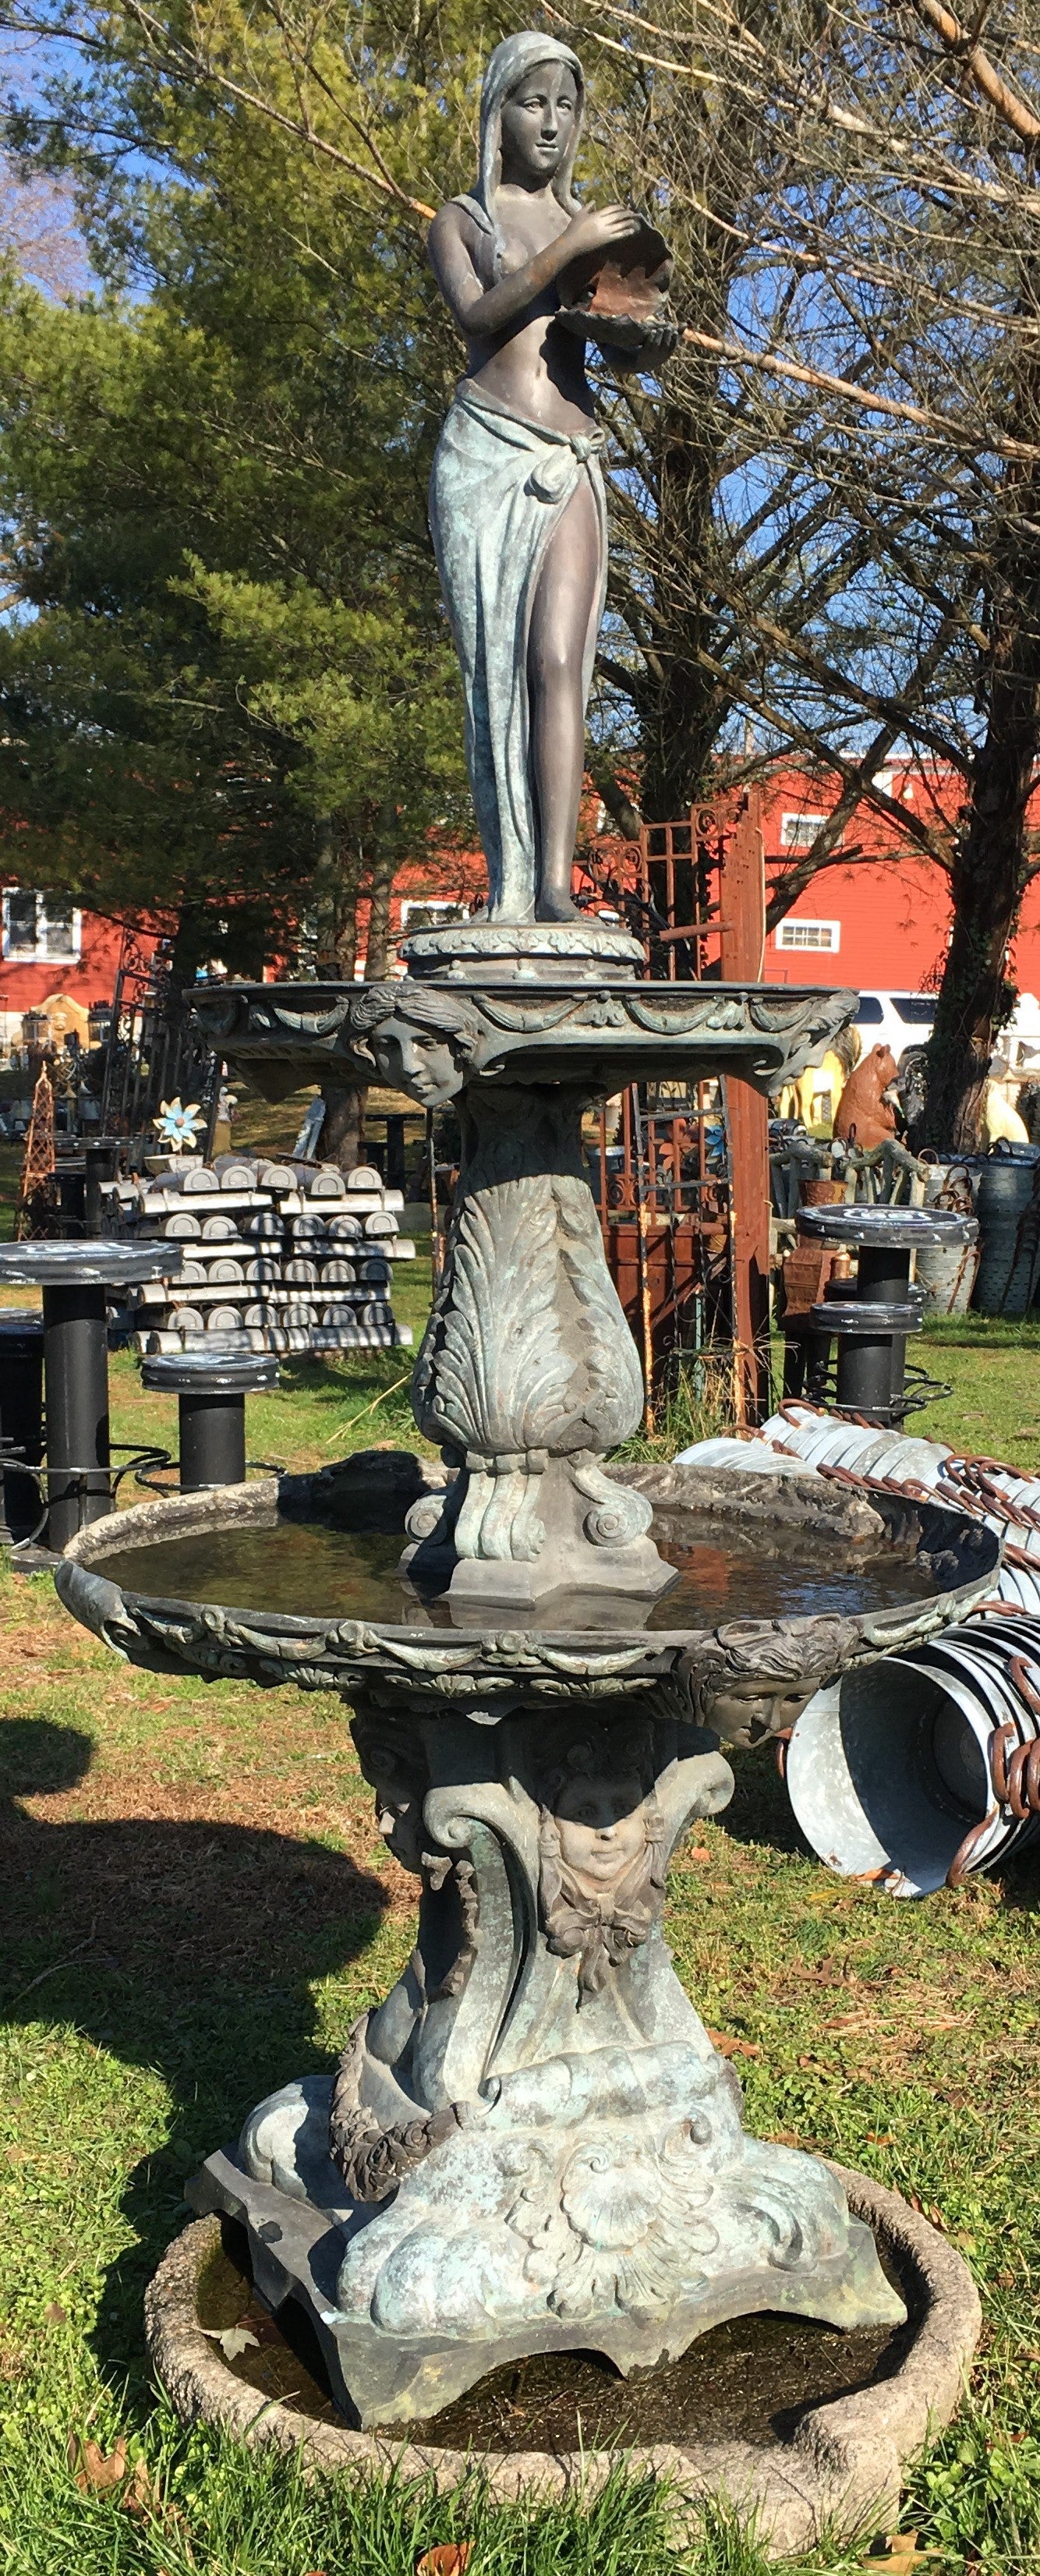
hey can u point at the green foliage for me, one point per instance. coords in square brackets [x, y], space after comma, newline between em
[365, 694]
[230, 678]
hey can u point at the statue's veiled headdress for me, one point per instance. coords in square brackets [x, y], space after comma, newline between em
[508, 66]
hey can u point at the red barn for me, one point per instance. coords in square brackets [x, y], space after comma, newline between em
[50, 947]
[873, 923]
[885, 923]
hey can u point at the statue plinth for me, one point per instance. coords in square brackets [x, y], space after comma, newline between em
[586, 951]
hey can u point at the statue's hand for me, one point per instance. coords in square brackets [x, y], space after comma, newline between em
[660, 338]
[598, 228]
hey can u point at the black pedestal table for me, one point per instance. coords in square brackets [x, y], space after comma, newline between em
[871, 1328]
[21, 1419]
[101, 1157]
[70, 1175]
[74, 1278]
[211, 1396]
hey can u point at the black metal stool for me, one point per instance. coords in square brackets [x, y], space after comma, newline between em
[211, 1393]
[21, 1419]
[74, 1278]
[871, 1328]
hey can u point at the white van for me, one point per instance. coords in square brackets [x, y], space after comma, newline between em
[895, 1020]
[902, 1020]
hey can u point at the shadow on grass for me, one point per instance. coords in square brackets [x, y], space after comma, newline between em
[187, 1948]
[760, 1810]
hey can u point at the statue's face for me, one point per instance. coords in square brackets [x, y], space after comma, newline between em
[420, 1061]
[745, 1713]
[538, 121]
[602, 1830]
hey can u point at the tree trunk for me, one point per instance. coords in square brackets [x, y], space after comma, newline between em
[624, 815]
[679, 701]
[990, 869]
[337, 878]
[377, 951]
[192, 943]
[343, 1132]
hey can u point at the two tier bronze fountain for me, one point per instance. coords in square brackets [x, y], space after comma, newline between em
[531, 2145]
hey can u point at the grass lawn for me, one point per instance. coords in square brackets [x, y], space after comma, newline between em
[196, 1903]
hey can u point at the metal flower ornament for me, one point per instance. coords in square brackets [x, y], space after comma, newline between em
[176, 1126]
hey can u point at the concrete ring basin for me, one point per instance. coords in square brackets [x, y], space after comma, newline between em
[840, 2468]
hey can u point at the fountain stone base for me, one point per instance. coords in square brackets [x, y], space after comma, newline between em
[608, 2237]
[837, 2470]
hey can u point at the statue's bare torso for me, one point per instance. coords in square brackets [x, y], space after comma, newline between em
[531, 364]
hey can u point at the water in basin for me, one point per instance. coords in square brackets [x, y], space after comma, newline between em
[723, 1572]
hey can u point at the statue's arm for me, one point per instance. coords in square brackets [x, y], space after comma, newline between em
[483, 312]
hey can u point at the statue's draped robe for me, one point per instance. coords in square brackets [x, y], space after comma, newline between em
[499, 489]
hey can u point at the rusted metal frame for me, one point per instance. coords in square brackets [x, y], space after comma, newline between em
[642, 1226]
[706, 841]
[747, 1123]
[961, 1862]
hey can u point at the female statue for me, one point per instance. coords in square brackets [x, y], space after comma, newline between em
[517, 503]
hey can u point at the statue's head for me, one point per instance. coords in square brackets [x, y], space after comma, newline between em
[422, 1044]
[531, 108]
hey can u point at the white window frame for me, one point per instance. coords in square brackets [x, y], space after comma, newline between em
[785, 936]
[40, 954]
[793, 825]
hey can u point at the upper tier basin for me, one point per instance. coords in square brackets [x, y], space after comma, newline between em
[860, 1577]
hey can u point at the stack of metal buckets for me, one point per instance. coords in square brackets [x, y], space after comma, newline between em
[914, 1771]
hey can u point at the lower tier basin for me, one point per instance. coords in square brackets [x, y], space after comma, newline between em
[779, 1585]
[801, 2429]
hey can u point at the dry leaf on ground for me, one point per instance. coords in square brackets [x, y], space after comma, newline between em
[901, 2552]
[140, 2494]
[94, 2473]
[446, 2558]
[733, 2047]
[232, 2339]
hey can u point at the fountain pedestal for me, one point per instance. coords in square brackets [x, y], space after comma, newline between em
[532, 2145]
[528, 1373]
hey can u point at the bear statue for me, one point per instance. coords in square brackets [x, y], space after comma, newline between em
[865, 1115]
